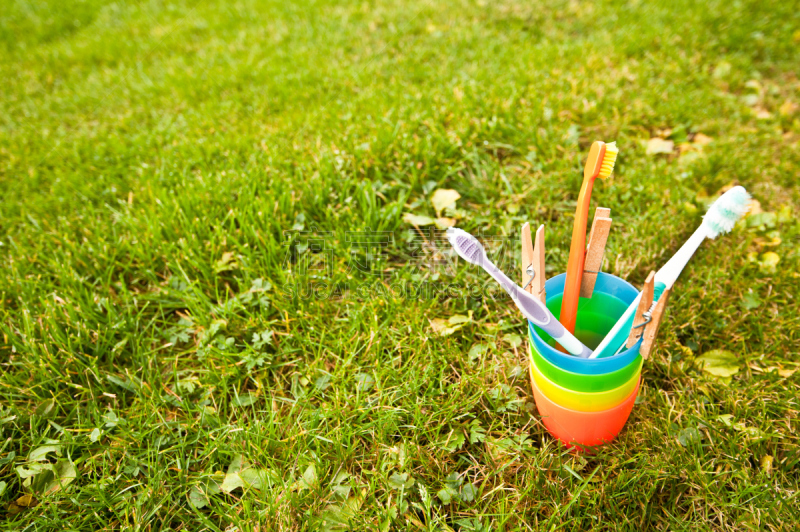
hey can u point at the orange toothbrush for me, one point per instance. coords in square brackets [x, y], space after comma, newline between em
[599, 164]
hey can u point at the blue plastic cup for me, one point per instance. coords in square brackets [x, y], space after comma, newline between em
[596, 316]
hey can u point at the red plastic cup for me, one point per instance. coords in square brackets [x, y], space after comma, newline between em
[583, 429]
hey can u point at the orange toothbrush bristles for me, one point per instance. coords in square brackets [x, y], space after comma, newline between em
[599, 164]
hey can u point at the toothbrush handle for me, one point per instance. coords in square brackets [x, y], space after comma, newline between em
[537, 313]
[577, 258]
[616, 337]
[665, 278]
[670, 272]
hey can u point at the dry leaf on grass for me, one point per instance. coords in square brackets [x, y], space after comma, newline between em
[444, 198]
[445, 327]
[419, 221]
[769, 262]
[788, 108]
[763, 114]
[658, 145]
[766, 464]
[702, 140]
[444, 223]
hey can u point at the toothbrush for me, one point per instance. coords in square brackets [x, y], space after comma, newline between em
[469, 249]
[720, 219]
[599, 164]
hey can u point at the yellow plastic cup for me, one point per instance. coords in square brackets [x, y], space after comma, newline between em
[583, 429]
[584, 401]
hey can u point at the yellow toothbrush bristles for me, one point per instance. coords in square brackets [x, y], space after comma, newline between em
[608, 160]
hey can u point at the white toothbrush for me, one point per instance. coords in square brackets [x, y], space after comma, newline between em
[469, 249]
[720, 219]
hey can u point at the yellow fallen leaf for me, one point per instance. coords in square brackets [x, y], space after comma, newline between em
[763, 114]
[438, 325]
[726, 419]
[658, 145]
[13, 509]
[766, 464]
[754, 84]
[443, 198]
[783, 372]
[788, 108]
[460, 318]
[444, 223]
[417, 220]
[769, 262]
[452, 324]
[226, 263]
[722, 70]
[755, 207]
[751, 100]
[774, 239]
[25, 501]
[702, 140]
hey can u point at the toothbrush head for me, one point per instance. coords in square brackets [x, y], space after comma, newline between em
[726, 211]
[600, 162]
[609, 158]
[594, 163]
[466, 245]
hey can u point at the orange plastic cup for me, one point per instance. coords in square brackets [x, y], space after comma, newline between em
[584, 401]
[586, 429]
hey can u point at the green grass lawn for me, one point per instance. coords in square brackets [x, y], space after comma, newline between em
[202, 237]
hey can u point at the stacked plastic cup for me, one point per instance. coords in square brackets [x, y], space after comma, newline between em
[585, 402]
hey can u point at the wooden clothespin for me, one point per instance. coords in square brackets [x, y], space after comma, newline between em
[598, 236]
[642, 316]
[533, 276]
[648, 317]
[651, 330]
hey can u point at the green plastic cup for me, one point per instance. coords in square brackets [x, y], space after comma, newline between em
[583, 401]
[581, 382]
